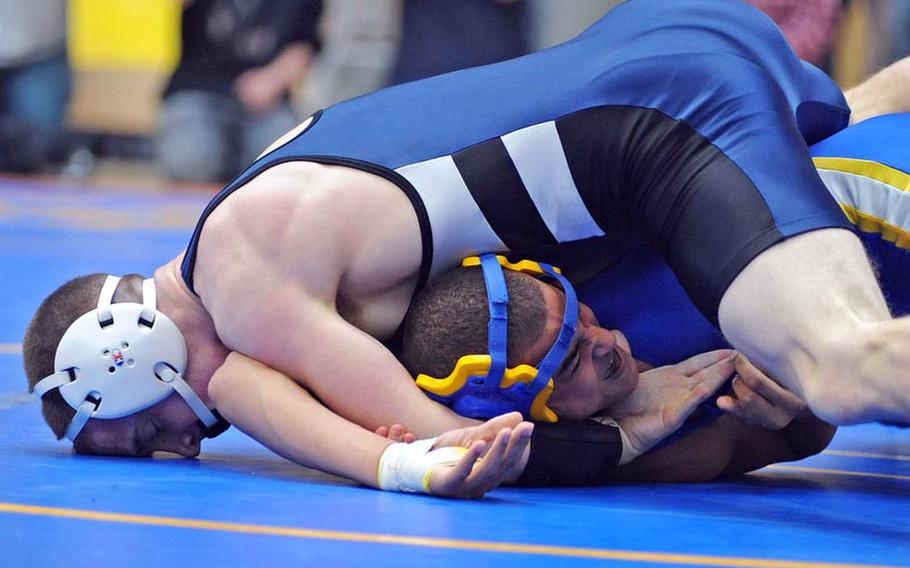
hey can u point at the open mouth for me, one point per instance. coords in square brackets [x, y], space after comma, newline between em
[614, 366]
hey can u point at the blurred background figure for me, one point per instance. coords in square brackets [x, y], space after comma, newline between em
[34, 84]
[226, 92]
[228, 98]
[438, 36]
[360, 41]
[552, 22]
[810, 26]
[894, 15]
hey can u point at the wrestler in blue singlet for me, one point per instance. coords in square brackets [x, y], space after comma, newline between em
[866, 168]
[683, 123]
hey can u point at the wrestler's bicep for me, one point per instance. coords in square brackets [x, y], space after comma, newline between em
[351, 372]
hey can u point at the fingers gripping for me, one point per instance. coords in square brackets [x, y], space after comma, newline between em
[766, 387]
[759, 400]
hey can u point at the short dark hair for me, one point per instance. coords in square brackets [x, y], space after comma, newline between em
[449, 319]
[56, 313]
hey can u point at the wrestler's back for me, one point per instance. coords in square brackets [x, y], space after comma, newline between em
[329, 244]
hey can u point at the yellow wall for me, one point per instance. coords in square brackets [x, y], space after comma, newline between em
[122, 52]
[124, 34]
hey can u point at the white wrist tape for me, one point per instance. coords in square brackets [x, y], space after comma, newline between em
[407, 467]
[628, 452]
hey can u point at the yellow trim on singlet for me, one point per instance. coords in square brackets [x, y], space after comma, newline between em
[867, 168]
[867, 222]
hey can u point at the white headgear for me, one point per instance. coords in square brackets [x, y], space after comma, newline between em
[119, 359]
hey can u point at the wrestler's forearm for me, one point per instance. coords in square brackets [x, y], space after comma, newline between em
[364, 383]
[277, 412]
[421, 415]
[371, 389]
[349, 372]
[886, 92]
[401, 404]
[758, 447]
[807, 435]
[700, 456]
[725, 448]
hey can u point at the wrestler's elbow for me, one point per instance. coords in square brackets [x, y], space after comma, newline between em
[217, 388]
[809, 436]
[227, 379]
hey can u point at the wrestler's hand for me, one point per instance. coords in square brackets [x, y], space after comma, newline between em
[396, 433]
[497, 452]
[666, 396]
[259, 89]
[759, 400]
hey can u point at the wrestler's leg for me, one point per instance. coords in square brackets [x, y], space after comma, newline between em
[809, 311]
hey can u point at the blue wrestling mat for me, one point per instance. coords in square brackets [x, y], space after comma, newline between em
[240, 505]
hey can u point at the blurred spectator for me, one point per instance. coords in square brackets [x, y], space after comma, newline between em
[809, 25]
[360, 40]
[228, 99]
[897, 23]
[552, 23]
[444, 35]
[869, 39]
[34, 83]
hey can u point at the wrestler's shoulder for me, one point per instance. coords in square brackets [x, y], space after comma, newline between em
[267, 234]
[306, 189]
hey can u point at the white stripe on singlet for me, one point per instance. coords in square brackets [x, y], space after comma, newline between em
[459, 227]
[869, 196]
[539, 157]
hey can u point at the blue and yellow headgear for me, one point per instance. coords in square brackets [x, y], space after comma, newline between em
[482, 386]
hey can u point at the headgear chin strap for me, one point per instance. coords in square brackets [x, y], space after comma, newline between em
[119, 359]
[482, 386]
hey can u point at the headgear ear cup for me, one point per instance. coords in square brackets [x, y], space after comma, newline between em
[119, 359]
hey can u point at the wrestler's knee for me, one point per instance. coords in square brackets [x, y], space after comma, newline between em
[854, 373]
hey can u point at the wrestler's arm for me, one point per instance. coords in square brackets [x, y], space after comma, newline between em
[886, 92]
[581, 452]
[347, 370]
[273, 409]
[765, 424]
[276, 411]
[805, 436]
[727, 447]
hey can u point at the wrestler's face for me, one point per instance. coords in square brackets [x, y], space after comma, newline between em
[598, 369]
[169, 426]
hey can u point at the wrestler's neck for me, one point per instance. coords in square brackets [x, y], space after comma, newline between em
[205, 351]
